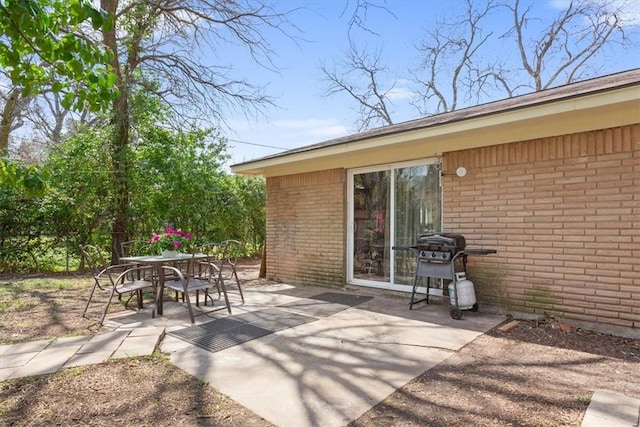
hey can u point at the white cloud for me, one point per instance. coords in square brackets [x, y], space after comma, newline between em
[629, 9]
[399, 94]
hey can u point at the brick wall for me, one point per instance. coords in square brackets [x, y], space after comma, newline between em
[305, 228]
[564, 215]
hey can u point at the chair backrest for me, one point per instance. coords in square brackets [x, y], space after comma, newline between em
[217, 257]
[234, 250]
[206, 268]
[198, 267]
[94, 258]
[98, 264]
[135, 248]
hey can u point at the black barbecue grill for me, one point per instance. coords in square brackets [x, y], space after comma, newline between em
[441, 256]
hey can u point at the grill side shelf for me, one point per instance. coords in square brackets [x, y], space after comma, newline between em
[480, 251]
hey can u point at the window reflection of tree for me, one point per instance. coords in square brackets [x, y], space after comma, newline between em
[417, 211]
[371, 205]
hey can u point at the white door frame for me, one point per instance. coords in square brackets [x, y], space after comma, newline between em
[350, 225]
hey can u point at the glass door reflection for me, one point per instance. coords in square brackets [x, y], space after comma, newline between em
[371, 225]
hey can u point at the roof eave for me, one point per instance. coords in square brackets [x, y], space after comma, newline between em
[559, 108]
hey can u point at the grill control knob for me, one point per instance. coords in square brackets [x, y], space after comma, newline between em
[433, 254]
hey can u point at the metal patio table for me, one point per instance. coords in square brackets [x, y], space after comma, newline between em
[157, 262]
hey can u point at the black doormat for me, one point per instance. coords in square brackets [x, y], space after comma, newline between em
[274, 320]
[227, 338]
[227, 332]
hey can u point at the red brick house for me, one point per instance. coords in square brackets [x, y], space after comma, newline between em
[552, 182]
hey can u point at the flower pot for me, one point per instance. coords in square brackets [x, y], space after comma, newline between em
[169, 254]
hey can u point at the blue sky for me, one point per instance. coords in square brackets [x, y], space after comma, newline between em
[303, 116]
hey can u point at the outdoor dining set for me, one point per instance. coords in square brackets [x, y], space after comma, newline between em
[205, 269]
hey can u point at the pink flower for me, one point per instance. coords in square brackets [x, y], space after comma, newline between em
[171, 239]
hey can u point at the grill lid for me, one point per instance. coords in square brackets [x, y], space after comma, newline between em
[444, 242]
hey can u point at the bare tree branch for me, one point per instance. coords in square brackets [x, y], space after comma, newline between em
[451, 72]
[462, 62]
[371, 100]
[360, 13]
[561, 52]
[178, 41]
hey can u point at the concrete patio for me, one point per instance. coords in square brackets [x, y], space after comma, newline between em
[325, 372]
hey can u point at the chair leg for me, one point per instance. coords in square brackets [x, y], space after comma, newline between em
[106, 308]
[126, 304]
[86, 307]
[140, 294]
[193, 320]
[198, 298]
[238, 282]
[207, 295]
[226, 297]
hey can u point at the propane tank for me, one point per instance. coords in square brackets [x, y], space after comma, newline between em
[465, 290]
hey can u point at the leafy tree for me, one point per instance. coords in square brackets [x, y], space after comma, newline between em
[178, 180]
[32, 179]
[178, 175]
[41, 44]
[253, 194]
[21, 219]
[164, 39]
[80, 190]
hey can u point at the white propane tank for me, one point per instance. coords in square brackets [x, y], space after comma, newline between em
[466, 292]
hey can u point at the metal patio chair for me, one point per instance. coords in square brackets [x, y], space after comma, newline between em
[137, 248]
[228, 268]
[117, 279]
[199, 275]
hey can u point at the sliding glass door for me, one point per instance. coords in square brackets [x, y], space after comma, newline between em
[390, 206]
[371, 206]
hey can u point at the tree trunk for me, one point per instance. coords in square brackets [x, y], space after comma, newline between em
[263, 262]
[119, 143]
[120, 176]
[5, 121]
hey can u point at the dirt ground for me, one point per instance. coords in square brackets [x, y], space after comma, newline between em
[534, 375]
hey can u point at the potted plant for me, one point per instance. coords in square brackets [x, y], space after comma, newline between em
[170, 242]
